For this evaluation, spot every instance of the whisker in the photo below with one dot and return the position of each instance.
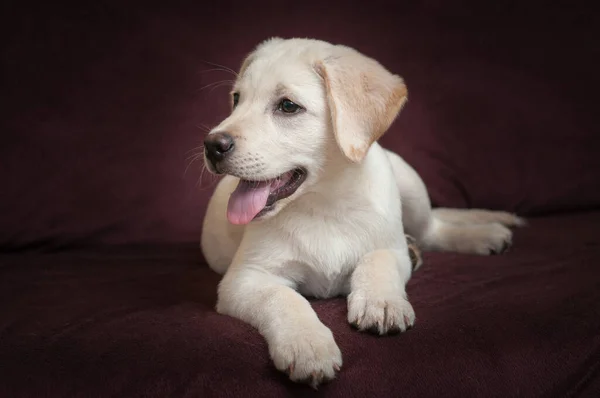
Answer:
(220, 85)
(216, 83)
(204, 127)
(202, 170)
(194, 155)
(224, 68)
(194, 158)
(214, 70)
(212, 178)
(198, 155)
(198, 148)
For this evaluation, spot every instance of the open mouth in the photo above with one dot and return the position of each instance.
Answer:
(252, 199)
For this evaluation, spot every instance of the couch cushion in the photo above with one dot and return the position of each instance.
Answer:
(139, 322)
(104, 107)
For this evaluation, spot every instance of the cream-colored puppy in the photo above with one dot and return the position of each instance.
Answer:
(312, 205)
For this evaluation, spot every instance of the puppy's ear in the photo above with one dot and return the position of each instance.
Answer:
(364, 99)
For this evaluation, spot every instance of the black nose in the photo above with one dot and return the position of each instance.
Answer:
(218, 146)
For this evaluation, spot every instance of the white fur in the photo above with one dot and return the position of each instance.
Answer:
(342, 232)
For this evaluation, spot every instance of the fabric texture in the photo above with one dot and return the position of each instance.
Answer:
(140, 322)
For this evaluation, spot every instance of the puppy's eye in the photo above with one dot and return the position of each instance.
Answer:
(288, 106)
(236, 99)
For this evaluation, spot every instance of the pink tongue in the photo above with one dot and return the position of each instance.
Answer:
(248, 199)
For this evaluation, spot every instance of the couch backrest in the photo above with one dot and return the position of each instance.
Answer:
(105, 103)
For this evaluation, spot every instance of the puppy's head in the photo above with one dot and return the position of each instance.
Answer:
(299, 106)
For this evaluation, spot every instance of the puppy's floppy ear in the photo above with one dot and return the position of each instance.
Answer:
(364, 99)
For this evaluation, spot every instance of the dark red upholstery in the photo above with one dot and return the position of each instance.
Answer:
(139, 322)
(103, 291)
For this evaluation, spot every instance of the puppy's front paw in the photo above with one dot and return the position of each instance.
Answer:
(307, 356)
(378, 315)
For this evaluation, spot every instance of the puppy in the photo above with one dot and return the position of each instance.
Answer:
(312, 205)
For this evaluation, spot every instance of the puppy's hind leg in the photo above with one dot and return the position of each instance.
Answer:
(475, 231)
(472, 231)
(483, 239)
(220, 239)
(478, 216)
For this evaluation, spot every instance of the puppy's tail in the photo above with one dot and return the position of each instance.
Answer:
(477, 216)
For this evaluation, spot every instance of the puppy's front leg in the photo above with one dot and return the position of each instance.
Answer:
(377, 301)
(299, 343)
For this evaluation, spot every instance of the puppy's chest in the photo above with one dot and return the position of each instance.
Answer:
(327, 253)
(327, 262)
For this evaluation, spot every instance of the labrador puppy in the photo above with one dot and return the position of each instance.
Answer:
(311, 205)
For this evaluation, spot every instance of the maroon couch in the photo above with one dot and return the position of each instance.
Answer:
(103, 289)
